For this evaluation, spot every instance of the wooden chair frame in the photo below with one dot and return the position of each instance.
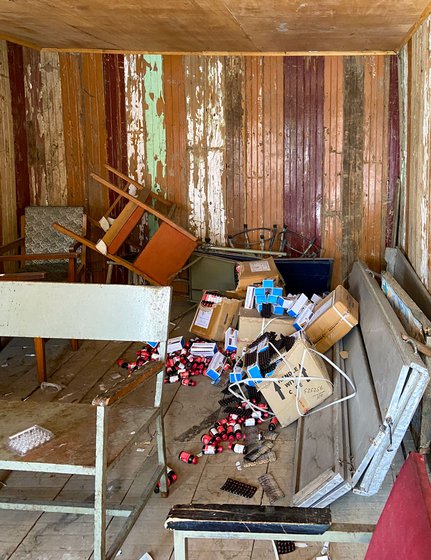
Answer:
(184, 243)
(85, 442)
(74, 273)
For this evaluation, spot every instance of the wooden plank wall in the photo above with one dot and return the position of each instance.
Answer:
(415, 91)
(232, 140)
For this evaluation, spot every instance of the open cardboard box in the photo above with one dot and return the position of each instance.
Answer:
(251, 324)
(281, 395)
(255, 272)
(211, 322)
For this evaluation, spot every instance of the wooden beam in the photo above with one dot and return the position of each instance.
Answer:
(227, 53)
(416, 26)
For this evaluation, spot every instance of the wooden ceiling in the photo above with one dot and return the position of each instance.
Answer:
(204, 26)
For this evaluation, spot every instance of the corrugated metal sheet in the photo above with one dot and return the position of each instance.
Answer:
(418, 195)
(304, 95)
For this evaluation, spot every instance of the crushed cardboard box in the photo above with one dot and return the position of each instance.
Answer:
(211, 321)
(281, 396)
(333, 318)
(251, 324)
(255, 272)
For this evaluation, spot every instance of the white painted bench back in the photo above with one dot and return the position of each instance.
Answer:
(84, 311)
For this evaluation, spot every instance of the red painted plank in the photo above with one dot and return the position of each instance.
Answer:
(115, 115)
(16, 78)
(304, 149)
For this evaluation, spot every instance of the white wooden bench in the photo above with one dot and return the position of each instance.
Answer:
(84, 441)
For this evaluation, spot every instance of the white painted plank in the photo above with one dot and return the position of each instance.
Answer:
(84, 311)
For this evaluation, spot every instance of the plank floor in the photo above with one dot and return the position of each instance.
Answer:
(189, 412)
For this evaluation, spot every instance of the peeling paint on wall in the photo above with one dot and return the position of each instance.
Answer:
(51, 127)
(216, 156)
(155, 141)
(403, 66)
(134, 88)
(204, 88)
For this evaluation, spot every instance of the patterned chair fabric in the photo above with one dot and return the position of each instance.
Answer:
(41, 237)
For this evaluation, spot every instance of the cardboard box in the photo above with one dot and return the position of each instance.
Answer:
(333, 318)
(250, 326)
(211, 322)
(281, 396)
(255, 272)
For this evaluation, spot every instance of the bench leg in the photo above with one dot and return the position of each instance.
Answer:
(100, 485)
(180, 546)
(39, 350)
(161, 452)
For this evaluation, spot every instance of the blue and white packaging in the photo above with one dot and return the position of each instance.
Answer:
(315, 298)
(268, 283)
(152, 344)
(278, 310)
(204, 349)
(236, 374)
(288, 302)
(254, 373)
(271, 298)
(175, 344)
(304, 317)
(215, 367)
(259, 291)
(296, 308)
(249, 298)
(231, 340)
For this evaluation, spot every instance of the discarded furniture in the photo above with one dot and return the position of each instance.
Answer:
(89, 439)
(412, 304)
(146, 195)
(403, 530)
(264, 239)
(357, 440)
(273, 523)
(42, 249)
(213, 268)
(164, 254)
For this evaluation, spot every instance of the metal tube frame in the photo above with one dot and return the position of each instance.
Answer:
(340, 533)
